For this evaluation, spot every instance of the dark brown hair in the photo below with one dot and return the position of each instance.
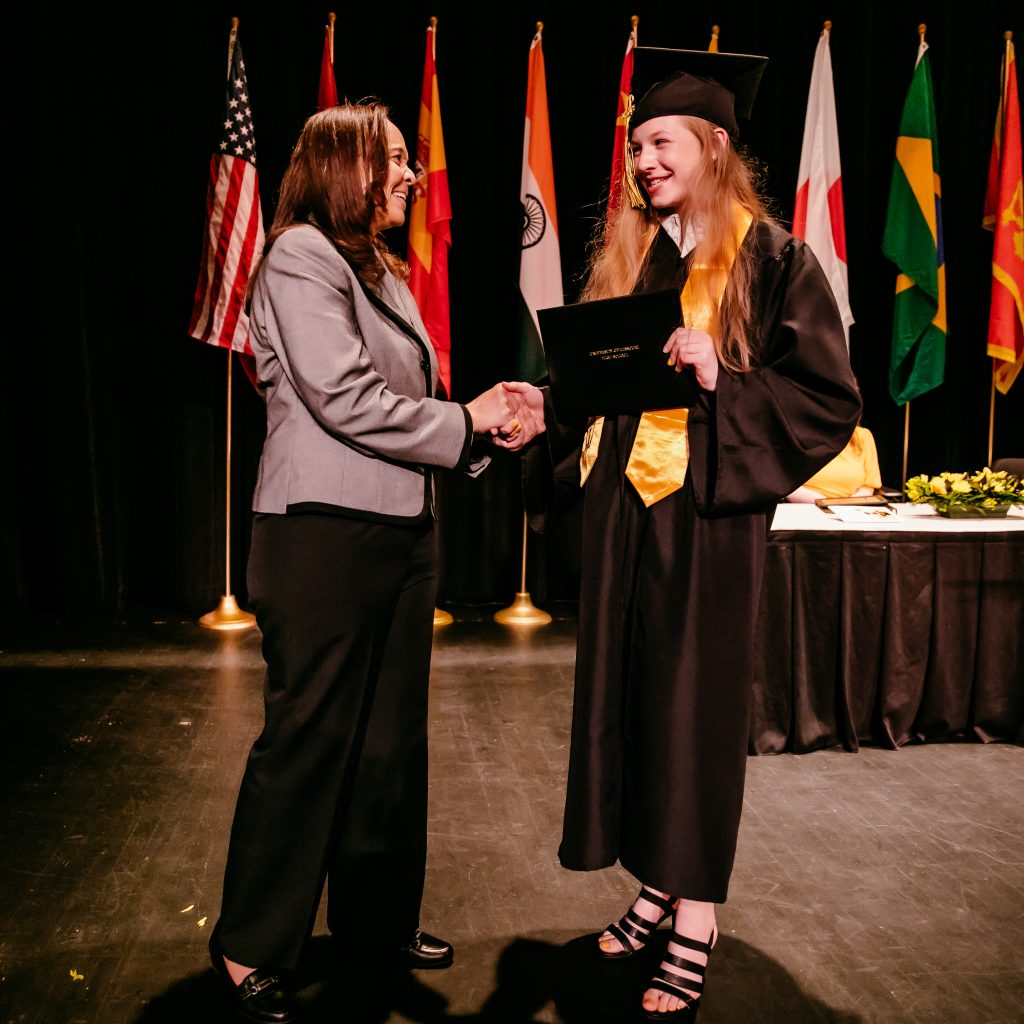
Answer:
(335, 181)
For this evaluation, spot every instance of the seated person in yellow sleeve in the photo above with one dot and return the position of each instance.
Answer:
(853, 473)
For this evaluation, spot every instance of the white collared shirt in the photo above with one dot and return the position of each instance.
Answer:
(673, 228)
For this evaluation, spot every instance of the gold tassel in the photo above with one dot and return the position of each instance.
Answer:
(629, 185)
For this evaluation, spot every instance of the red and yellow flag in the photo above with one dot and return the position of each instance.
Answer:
(430, 235)
(1004, 215)
(328, 94)
(619, 147)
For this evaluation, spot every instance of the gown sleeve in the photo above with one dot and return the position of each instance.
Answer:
(761, 434)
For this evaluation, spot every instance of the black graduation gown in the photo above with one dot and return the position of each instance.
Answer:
(669, 594)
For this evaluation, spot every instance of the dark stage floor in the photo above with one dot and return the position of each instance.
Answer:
(879, 886)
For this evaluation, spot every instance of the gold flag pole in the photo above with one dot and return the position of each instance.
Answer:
(991, 419)
(522, 611)
(331, 18)
(906, 437)
(233, 35)
(227, 615)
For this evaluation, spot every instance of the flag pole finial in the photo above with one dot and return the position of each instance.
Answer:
(433, 23)
(921, 29)
(828, 26)
(634, 21)
(1008, 36)
(715, 30)
(540, 26)
(331, 18)
(234, 24)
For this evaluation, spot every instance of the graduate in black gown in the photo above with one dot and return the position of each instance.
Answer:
(676, 510)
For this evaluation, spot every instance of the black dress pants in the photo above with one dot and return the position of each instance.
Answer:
(335, 786)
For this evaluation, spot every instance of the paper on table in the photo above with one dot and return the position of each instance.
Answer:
(861, 513)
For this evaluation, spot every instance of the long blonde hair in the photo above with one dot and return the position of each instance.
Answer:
(723, 180)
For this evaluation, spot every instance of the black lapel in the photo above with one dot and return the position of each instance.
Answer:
(399, 321)
(383, 308)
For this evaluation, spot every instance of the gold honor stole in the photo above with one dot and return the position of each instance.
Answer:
(661, 450)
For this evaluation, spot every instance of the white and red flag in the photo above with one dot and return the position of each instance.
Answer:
(818, 213)
(234, 223)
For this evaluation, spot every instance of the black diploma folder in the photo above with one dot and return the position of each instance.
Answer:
(605, 357)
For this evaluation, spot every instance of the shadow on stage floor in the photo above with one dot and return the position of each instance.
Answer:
(530, 975)
(869, 887)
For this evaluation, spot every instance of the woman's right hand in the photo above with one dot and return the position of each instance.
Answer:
(492, 410)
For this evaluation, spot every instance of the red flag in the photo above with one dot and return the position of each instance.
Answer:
(328, 95)
(625, 88)
(430, 235)
(1004, 214)
(234, 223)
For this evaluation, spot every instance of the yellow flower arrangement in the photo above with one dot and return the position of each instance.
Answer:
(981, 493)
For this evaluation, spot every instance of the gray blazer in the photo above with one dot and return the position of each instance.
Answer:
(348, 384)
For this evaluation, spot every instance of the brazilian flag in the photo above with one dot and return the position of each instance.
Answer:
(913, 241)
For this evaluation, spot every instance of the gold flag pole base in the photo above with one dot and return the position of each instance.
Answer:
(442, 618)
(522, 612)
(227, 615)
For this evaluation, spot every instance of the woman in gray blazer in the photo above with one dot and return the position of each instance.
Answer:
(342, 569)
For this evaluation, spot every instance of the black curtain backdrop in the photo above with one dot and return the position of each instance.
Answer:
(114, 419)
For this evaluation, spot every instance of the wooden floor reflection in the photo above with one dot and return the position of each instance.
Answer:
(879, 886)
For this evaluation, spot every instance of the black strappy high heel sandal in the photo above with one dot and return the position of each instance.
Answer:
(633, 932)
(678, 985)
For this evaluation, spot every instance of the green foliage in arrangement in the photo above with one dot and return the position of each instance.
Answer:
(981, 490)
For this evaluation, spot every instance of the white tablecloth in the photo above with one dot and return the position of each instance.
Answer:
(908, 518)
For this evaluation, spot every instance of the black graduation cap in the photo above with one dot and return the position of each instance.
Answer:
(718, 87)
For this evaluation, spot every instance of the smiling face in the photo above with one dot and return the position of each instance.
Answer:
(396, 187)
(667, 157)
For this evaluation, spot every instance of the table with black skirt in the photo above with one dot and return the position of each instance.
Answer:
(906, 630)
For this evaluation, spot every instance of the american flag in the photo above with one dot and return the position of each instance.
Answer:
(234, 223)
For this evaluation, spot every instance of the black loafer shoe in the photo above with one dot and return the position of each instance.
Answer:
(425, 952)
(262, 996)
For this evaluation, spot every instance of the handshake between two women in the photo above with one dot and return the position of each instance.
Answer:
(512, 413)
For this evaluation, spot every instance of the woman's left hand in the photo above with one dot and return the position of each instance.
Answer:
(689, 347)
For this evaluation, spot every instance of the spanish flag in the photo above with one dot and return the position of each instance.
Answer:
(540, 268)
(913, 241)
(430, 235)
(1004, 215)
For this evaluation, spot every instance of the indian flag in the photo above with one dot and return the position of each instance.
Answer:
(540, 270)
